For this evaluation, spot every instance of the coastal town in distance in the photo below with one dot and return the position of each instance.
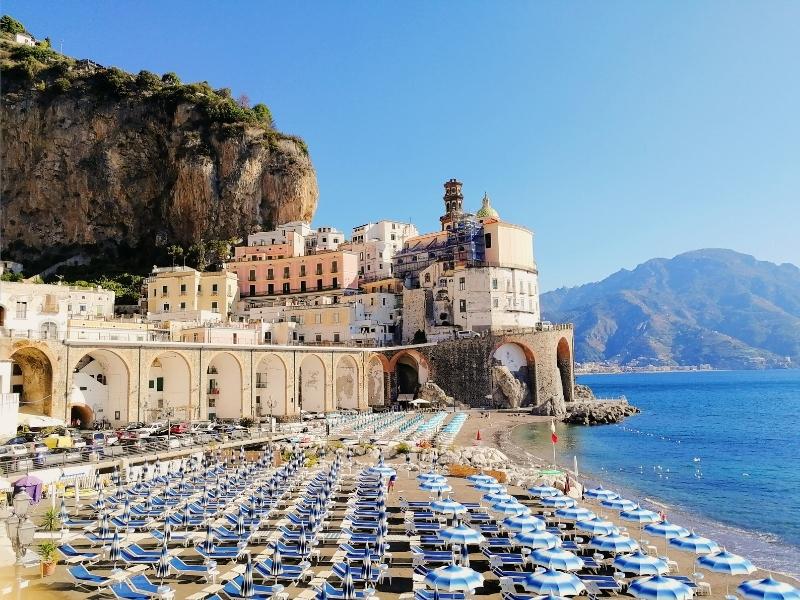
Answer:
(227, 372)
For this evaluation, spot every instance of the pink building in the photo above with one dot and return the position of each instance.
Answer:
(265, 271)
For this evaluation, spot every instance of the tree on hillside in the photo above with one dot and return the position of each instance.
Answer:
(263, 114)
(171, 78)
(199, 252)
(11, 25)
(175, 253)
(244, 101)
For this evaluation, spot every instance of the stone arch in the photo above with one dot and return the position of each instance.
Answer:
(411, 370)
(346, 383)
(223, 387)
(564, 364)
(32, 379)
(169, 387)
(377, 366)
(312, 384)
(515, 359)
(271, 386)
(100, 388)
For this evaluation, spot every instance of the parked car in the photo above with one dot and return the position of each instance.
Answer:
(97, 439)
(24, 438)
(467, 334)
(201, 427)
(178, 428)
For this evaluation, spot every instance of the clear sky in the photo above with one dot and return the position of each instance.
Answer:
(617, 131)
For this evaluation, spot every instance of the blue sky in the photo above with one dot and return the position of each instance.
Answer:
(616, 131)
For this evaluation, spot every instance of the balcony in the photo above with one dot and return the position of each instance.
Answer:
(213, 391)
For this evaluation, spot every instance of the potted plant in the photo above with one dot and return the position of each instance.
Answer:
(47, 552)
(50, 520)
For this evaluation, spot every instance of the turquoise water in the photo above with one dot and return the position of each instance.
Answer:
(719, 449)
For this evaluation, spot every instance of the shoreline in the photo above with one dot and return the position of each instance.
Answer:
(501, 436)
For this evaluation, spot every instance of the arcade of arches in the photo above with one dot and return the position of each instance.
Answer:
(32, 379)
(99, 392)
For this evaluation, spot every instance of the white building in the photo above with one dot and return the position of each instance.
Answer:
(26, 39)
(9, 266)
(324, 239)
(38, 310)
(376, 244)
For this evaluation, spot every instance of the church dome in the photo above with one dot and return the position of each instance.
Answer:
(486, 210)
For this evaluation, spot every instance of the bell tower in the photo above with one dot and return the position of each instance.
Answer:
(453, 203)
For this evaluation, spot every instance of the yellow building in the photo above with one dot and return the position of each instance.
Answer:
(185, 294)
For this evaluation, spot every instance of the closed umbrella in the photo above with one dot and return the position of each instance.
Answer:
(348, 589)
(553, 582)
(100, 503)
(536, 539)
(275, 567)
(240, 530)
(302, 542)
(454, 578)
(167, 531)
(115, 550)
(366, 568)
(557, 559)
(104, 528)
(186, 517)
(768, 589)
(247, 589)
(695, 543)
(659, 588)
(208, 543)
(63, 514)
(465, 555)
(641, 564)
(162, 566)
(523, 522)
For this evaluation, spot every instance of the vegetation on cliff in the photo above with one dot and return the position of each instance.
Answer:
(106, 167)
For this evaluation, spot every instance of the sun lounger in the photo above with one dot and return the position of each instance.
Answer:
(604, 583)
(334, 593)
(356, 573)
(419, 556)
(141, 584)
(184, 569)
(503, 559)
(118, 523)
(514, 576)
(287, 572)
(233, 589)
(96, 540)
(428, 595)
(70, 553)
(497, 542)
(219, 553)
(84, 579)
(125, 592)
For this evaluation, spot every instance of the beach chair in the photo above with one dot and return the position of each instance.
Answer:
(96, 540)
(334, 593)
(158, 535)
(79, 522)
(293, 573)
(233, 589)
(84, 579)
(504, 559)
(419, 556)
(125, 592)
(118, 523)
(71, 554)
(356, 573)
(497, 542)
(428, 595)
(218, 553)
(183, 569)
(141, 584)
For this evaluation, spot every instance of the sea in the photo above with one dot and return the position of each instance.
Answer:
(717, 451)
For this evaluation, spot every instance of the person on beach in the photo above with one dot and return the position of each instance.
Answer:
(391, 483)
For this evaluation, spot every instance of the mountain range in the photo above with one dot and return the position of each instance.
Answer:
(711, 307)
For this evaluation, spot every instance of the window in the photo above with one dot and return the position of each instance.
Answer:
(183, 289)
(336, 337)
(393, 237)
(270, 274)
(286, 288)
(22, 310)
(302, 270)
(166, 307)
(462, 306)
(252, 290)
(462, 284)
(335, 283)
(318, 318)
(360, 256)
(199, 288)
(494, 284)
(183, 305)
(270, 288)
(427, 277)
(235, 338)
(319, 284)
(252, 276)
(286, 272)
(319, 268)
(151, 384)
(318, 337)
(383, 301)
(215, 307)
(163, 290)
(159, 384)
(487, 239)
(302, 286)
(268, 336)
(214, 289)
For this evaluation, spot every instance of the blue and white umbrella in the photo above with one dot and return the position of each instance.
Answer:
(640, 515)
(481, 478)
(619, 504)
(115, 551)
(597, 526)
(557, 502)
(523, 522)
(366, 567)
(465, 555)
(454, 578)
(553, 582)
(302, 541)
(240, 529)
(383, 470)
(348, 589)
(695, 543)
(435, 485)
(104, 527)
(510, 508)
(167, 531)
(614, 543)
(659, 588)
(600, 493)
(666, 530)
(162, 566)
(557, 559)
(574, 513)
(768, 589)
(431, 476)
(100, 503)
(727, 563)
(461, 534)
(63, 514)
(275, 567)
(208, 543)
(544, 491)
(448, 507)
(495, 497)
(248, 589)
(641, 564)
(489, 487)
(536, 539)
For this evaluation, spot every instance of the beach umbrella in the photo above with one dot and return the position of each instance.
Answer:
(481, 478)
(115, 551)
(489, 487)
(461, 534)
(366, 568)
(465, 555)
(695, 543)
(495, 497)
(523, 522)
(544, 491)
(596, 526)
(240, 530)
(348, 589)
(247, 589)
(557, 559)
(727, 563)
(448, 507)
(536, 539)
(510, 508)
(162, 566)
(614, 543)
(208, 543)
(666, 530)
(104, 527)
(63, 514)
(380, 543)
(557, 502)
(167, 531)
(659, 588)
(600, 493)
(574, 513)
(619, 504)
(430, 476)
(302, 541)
(435, 486)
(186, 517)
(100, 503)
(641, 564)
(640, 515)
(275, 567)
(553, 582)
(453, 578)
(768, 589)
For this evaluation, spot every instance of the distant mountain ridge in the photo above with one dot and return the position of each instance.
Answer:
(712, 306)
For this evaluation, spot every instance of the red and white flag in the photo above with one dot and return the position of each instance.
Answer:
(553, 436)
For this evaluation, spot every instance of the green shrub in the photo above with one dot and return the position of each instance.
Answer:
(11, 25)
(171, 78)
(148, 80)
(42, 54)
(403, 448)
(61, 85)
(262, 114)
(246, 422)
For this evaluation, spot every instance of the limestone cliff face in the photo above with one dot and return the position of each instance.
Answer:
(88, 171)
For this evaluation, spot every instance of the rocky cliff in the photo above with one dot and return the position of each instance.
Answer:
(97, 160)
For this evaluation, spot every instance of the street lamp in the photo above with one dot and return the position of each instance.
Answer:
(20, 528)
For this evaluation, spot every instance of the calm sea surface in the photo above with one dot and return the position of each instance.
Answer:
(720, 450)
